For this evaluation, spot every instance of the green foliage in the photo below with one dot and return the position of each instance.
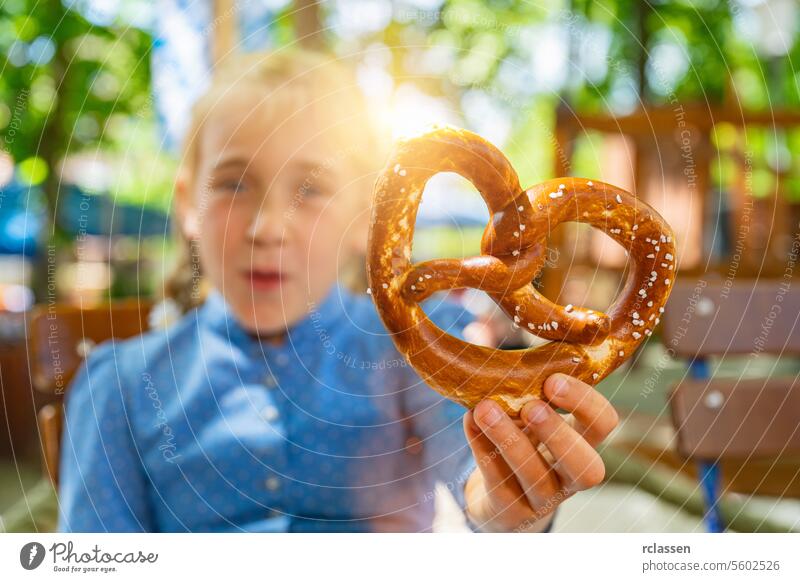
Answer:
(68, 86)
(63, 79)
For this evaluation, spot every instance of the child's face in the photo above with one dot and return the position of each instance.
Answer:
(277, 205)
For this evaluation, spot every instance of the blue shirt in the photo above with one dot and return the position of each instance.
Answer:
(201, 427)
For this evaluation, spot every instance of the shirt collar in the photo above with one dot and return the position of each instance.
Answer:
(216, 313)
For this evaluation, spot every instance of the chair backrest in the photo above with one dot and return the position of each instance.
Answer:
(738, 421)
(744, 419)
(710, 317)
(60, 337)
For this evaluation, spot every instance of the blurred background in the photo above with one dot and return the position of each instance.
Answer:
(692, 104)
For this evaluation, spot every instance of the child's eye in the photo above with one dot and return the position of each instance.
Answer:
(311, 191)
(232, 186)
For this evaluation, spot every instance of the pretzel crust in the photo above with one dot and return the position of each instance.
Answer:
(585, 344)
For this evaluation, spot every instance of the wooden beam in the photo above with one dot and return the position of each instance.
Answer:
(224, 29)
(308, 23)
(658, 120)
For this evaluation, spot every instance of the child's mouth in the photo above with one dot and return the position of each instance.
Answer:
(264, 280)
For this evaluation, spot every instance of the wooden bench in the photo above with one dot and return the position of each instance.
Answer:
(60, 337)
(747, 425)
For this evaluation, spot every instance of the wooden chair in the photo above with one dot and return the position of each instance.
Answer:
(743, 433)
(60, 337)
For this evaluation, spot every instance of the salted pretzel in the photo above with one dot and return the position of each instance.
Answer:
(586, 344)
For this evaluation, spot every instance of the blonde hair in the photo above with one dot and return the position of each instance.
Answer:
(287, 78)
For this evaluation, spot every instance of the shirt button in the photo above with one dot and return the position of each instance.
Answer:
(270, 413)
(272, 483)
(270, 381)
(282, 359)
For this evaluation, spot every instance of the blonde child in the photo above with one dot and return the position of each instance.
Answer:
(277, 402)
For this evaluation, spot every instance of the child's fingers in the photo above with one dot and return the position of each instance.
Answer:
(531, 471)
(575, 460)
(594, 415)
(490, 462)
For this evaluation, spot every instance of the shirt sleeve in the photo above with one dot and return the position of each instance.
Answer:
(102, 484)
(438, 422)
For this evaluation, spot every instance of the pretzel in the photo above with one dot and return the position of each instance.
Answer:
(585, 344)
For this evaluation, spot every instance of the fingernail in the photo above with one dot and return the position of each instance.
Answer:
(558, 385)
(537, 412)
(491, 413)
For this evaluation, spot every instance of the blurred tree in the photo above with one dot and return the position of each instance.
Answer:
(74, 80)
(63, 78)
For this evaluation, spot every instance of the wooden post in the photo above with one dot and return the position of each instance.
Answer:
(224, 30)
(308, 23)
(553, 279)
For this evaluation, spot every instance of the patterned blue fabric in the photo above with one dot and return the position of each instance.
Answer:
(201, 427)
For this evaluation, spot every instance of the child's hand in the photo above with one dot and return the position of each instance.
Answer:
(524, 473)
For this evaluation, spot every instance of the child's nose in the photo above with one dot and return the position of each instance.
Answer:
(268, 225)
